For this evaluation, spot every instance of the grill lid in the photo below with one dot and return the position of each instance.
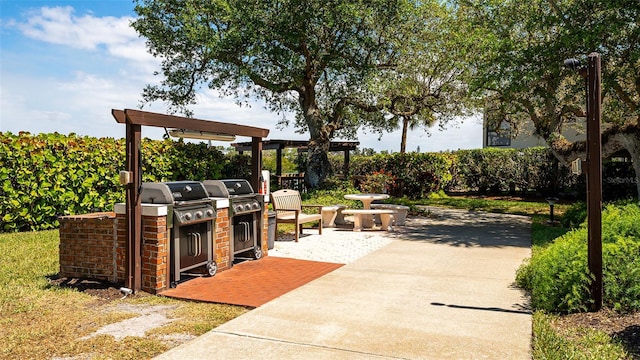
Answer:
(172, 191)
(228, 188)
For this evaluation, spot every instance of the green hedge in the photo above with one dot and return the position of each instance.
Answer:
(47, 175)
(415, 174)
(558, 275)
(529, 170)
(482, 171)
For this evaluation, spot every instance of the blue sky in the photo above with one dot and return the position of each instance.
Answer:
(65, 64)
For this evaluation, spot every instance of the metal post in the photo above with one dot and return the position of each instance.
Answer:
(594, 178)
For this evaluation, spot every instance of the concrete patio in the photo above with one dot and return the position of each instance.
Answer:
(438, 288)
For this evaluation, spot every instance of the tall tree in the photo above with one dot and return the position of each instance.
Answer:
(429, 83)
(522, 46)
(331, 62)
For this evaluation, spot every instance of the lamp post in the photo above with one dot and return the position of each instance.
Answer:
(551, 201)
(593, 166)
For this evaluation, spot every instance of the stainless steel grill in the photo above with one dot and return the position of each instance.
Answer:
(245, 212)
(191, 221)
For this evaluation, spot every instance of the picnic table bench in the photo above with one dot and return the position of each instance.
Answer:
(401, 212)
(386, 217)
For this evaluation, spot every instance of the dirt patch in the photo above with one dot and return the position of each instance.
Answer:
(623, 327)
(103, 291)
(146, 317)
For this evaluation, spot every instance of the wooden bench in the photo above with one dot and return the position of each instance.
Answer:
(386, 217)
(289, 210)
(401, 212)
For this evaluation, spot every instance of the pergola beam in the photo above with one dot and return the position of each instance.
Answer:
(301, 145)
(145, 118)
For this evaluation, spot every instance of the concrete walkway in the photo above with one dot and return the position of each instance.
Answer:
(442, 288)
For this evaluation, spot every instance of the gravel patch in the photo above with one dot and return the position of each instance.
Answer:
(335, 245)
(150, 317)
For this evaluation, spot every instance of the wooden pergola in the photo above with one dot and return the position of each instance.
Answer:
(301, 145)
(134, 120)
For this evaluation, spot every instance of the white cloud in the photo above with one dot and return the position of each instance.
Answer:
(59, 25)
(81, 100)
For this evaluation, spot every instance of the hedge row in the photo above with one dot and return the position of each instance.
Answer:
(48, 175)
(479, 171)
(491, 171)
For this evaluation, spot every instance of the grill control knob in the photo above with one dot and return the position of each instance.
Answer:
(199, 214)
(209, 212)
(187, 216)
(247, 207)
(256, 206)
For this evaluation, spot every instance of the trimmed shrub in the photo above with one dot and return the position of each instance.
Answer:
(558, 276)
(47, 175)
(493, 171)
(575, 215)
(415, 174)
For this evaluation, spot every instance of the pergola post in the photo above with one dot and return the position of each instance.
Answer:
(133, 208)
(256, 162)
(345, 166)
(279, 161)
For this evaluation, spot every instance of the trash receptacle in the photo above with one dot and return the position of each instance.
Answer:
(271, 232)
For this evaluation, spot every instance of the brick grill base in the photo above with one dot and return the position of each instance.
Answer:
(94, 246)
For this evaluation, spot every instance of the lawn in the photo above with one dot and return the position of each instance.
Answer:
(41, 320)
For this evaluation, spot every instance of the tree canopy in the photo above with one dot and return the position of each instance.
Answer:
(522, 46)
(337, 65)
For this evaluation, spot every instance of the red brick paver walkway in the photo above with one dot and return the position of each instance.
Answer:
(252, 283)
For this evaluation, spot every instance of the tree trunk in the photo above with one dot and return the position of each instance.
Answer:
(318, 166)
(405, 126)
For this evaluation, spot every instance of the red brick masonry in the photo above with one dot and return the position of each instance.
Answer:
(88, 247)
(94, 246)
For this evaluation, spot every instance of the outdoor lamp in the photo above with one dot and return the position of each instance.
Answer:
(551, 201)
(202, 135)
(573, 64)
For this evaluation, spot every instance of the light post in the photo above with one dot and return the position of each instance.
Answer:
(551, 201)
(593, 167)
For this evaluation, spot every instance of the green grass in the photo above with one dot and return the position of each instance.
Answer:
(576, 343)
(41, 321)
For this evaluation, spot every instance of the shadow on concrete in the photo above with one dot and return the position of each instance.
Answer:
(462, 228)
(524, 310)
